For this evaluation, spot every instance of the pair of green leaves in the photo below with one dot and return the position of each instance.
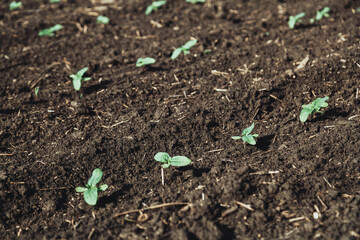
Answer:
(102, 19)
(185, 49)
(195, 1)
(14, 5)
(313, 107)
(246, 136)
(50, 31)
(294, 19)
(144, 61)
(91, 191)
(177, 161)
(36, 91)
(78, 78)
(321, 14)
(154, 6)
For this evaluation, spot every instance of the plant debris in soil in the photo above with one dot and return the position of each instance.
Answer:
(300, 180)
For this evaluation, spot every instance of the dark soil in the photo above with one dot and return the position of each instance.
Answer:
(300, 181)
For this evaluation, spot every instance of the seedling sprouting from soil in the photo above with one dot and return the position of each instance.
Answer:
(154, 6)
(246, 136)
(36, 91)
(195, 1)
(144, 61)
(177, 161)
(78, 78)
(184, 48)
(321, 14)
(55, 1)
(91, 190)
(314, 106)
(294, 19)
(50, 31)
(102, 19)
(14, 5)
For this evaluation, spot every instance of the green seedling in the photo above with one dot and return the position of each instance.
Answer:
(144, 61)
(91, 190)
(78, 78)
(154, 6)
(50, 31)
(102, 19)
(246, 136)
(195, 1)
(313, 107)
(36, 91)
(185, 49)
(55, 1)
(207, 51)
(177, 161)
(321, 14)
(294, 19)
(14, 5)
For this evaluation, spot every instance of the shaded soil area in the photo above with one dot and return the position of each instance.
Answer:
(300, 181)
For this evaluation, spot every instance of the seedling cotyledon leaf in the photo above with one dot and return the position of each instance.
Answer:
(102, 19)
(314, 106)
(91, 191)
(154, 6)
(195, 1)
(14, 5)
(50, 31)
(144, 61)
(321, 14)
(177, 161)
(78, 78)
(185, 49)
(246, 136)
(36, 91)
(294, 19)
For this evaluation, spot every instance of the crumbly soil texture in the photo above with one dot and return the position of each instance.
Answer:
(300, 180)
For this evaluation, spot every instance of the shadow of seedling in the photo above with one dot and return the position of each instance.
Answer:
(34, 100)
(305, 26)
(96, 87)
(154, 68)
(198, 172)
(86, 111)
(9, 111)
(264, 142)
(333, 112)
(114, 197)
